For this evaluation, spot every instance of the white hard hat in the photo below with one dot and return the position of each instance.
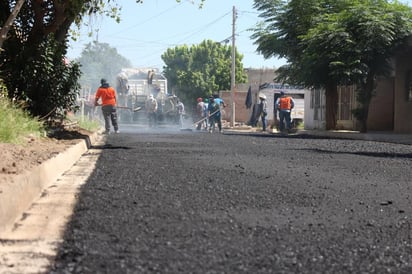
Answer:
(263, 96)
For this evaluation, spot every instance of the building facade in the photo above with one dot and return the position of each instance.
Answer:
(390, 109)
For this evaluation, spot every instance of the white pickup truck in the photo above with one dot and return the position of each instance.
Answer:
(272, 93)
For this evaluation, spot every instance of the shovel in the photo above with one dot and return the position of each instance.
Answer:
(132, 109)
(122, 107)
(207, 117)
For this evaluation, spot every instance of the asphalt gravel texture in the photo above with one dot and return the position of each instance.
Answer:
(194, 202)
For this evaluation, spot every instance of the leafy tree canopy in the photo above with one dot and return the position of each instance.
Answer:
(201, 70)
(33, 40)
(333, 42)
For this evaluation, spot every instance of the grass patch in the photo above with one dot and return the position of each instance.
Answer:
(16, 124)
(86, 123)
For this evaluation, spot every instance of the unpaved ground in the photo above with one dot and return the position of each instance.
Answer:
(209, 203)
(31, 244)
(18, 158)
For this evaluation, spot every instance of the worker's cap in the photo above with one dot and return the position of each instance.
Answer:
(103, 81)
(262, 96)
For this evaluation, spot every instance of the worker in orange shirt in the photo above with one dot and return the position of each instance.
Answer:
(284, 104)
(107, 94)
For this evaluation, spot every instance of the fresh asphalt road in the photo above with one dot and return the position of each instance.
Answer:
(172, 201)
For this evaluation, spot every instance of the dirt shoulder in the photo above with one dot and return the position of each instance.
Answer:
(18, 158)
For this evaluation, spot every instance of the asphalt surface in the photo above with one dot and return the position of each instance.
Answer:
(191, 202)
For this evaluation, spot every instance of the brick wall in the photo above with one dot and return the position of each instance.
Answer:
(256, 77)
(242, 114)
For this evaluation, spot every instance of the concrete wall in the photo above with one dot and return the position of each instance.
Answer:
(256, 77)
(390, 109)
(315, 109)
(242, 114)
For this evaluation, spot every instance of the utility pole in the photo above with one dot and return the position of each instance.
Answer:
(233, 72)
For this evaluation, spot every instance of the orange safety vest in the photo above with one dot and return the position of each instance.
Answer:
(108, 95)
(285, 103)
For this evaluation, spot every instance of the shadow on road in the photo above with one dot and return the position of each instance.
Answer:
(364, 153)
(109, 146)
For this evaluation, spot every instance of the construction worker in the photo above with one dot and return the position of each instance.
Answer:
(284, 104)
(263, 107)
(214, 115)
(151, 110)
(150, 75)
(206, 103)
(107, 94)
(181, 111)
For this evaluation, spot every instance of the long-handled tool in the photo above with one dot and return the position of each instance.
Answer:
(207, 117)
(123, 107)
(132, 109)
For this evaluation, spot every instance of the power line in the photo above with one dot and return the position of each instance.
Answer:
(204, 27)
(160, 45)
(149, 19)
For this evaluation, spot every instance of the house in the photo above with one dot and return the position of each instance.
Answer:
(390, 109)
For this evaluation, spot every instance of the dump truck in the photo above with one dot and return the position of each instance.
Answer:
(134, 85)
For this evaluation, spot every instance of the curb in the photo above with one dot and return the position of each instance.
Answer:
(17, 195)
(377, 136)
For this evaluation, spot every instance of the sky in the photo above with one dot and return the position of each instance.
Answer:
(147, 30)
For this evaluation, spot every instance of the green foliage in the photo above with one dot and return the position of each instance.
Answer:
(86, 123)
(328, 42)
(99, 60)
(15, 124)
(201, 70)
(44, 80)
(31, 58)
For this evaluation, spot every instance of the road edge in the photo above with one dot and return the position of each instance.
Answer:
(17, 195)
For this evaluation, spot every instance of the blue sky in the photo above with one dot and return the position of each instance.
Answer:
(148, 29)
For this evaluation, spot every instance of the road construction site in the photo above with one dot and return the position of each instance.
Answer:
(180, 201)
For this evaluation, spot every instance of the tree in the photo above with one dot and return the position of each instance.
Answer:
(335, 43)
(36, 45)
(201, 70)
(99, 60)
(366, 36)
(280, 34)
(32, 59)
(9, 22)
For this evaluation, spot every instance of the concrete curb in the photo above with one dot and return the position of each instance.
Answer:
(17, 196)
(387, 137)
